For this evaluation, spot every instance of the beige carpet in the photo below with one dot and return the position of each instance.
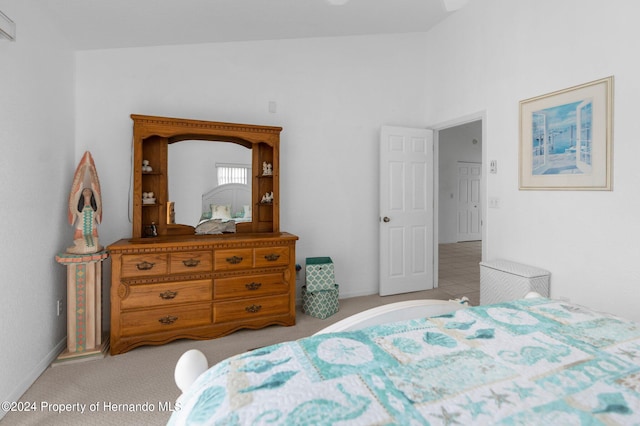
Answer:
(145, 375)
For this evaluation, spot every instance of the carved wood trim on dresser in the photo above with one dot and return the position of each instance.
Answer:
(169, 288)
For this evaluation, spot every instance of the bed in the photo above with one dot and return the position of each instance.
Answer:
(529, 361)
(223, 207)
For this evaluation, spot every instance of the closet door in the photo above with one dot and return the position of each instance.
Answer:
(469, 207)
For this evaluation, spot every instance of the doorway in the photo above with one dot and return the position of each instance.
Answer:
(459, 143)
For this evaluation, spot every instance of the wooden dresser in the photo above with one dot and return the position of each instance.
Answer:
(174, 284)
(203, 287)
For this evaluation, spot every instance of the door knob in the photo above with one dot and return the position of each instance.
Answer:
(386, 219)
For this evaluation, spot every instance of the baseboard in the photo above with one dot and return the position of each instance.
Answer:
(34, 374)
(349, 294)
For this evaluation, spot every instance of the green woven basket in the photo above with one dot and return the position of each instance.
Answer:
(320, 304)
(319, 274)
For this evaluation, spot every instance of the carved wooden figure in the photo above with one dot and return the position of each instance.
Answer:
(85, 207)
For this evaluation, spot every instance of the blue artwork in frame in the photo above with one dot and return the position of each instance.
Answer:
(566, 138)
(561, 139)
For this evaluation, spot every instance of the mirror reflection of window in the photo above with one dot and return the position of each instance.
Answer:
(192, 172)
(233, 173)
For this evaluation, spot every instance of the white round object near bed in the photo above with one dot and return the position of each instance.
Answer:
(191, 364)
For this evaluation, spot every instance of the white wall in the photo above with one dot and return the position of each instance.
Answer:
(332, 97)
(498, 52)
(454, 144)
(36, 167)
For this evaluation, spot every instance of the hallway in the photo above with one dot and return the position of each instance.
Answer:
(459, 270)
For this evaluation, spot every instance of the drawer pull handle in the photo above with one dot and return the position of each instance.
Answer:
(167, 295)
(234, 260)
(190, 263)
(253, 286)
(253, 308)
(145, 266)
(272, 257)
(168, 320)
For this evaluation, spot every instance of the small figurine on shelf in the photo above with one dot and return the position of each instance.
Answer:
(267, 198)
(146, 168)
(267, 169)
(148, 198)
(151, 230)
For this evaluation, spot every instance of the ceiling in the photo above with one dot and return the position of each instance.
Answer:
(102, 24)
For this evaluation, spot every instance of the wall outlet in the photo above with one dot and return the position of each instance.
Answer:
(59, 307)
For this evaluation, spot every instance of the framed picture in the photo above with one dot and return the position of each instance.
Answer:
(566, 138)
(171, 213)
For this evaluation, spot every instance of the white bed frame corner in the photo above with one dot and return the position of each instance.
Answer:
(399, 311)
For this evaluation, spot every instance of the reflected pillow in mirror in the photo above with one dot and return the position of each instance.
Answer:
(247, 212)
(220, 211)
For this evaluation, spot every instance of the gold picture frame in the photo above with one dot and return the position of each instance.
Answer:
(566, 139)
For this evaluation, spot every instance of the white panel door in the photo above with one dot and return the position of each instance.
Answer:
(469, 211)
(406, 210)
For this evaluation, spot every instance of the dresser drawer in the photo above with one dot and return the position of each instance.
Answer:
(247, 309)
(195, 261)
(249, 286)
(136, 265)
(225, 260)
(271, 256)
(149, 295)
(164, 319)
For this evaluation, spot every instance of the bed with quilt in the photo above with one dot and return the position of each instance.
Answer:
(529, 361)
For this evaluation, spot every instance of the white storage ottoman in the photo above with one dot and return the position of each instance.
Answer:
(503, 280)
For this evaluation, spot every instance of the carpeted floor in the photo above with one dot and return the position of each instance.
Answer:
(144, 376)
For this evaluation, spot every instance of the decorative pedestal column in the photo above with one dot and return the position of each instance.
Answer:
(84, 305)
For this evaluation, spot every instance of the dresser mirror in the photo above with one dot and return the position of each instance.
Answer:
(193, 173)
(175, 161)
